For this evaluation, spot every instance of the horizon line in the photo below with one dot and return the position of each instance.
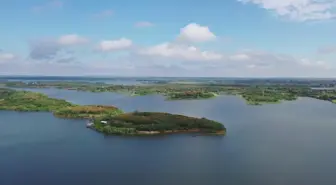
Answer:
(112, 76)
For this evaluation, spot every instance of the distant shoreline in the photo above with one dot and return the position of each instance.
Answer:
(251, 91)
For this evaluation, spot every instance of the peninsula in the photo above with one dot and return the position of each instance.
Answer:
(109, 119)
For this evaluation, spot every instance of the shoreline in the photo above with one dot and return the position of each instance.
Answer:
(165, 133)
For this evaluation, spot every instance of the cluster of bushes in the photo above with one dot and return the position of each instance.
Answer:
(190, 95)
(260, 98)
(264, 95)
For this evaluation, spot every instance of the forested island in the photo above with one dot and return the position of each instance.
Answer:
(255, 92)
(154, 123)
(109, 119)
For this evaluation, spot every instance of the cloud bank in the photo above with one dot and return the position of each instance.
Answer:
(184, 55)
(298, 10)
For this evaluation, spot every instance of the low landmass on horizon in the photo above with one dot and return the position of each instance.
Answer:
(254, 91)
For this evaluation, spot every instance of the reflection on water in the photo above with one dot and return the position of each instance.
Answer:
(290, 143)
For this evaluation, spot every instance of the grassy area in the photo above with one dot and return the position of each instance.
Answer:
(152, 123)
(87, 111)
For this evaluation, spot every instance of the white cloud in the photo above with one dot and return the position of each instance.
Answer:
(173, 62)
(239, 57)
(104, 13)
(48, 6)
(299, 10)
(71, 39)
(113, 45)
(281, 65)
(327, 50)
(56, 49)
(315, 64)
(192, 33)
(147, 66)
(196, 33)
(143, 24)
(53, 56)
(183, 52)
(6, 56)
(251, 66)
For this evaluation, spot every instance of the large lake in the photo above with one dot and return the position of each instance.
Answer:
(293, 143)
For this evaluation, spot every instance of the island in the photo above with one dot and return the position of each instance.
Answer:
(154, 123)
(109, 120)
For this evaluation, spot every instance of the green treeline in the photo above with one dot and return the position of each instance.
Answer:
(191, 95)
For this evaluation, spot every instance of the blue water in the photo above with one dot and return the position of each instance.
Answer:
(292, 143)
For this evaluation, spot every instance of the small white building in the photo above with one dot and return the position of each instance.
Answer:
(103, 122)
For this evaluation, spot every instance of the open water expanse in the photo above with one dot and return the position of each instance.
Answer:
(293, 143)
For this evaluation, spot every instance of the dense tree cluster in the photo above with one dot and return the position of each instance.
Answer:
(191, 95)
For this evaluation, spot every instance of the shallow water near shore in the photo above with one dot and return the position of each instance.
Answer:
(291, 143)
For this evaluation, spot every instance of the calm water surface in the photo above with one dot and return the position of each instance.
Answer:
(292, 143)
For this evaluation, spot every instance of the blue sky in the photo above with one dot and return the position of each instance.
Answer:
(235, 38)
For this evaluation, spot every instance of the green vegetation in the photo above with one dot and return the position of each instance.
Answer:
(31, 101)
(87, 111)
(255, 92)
(171, 91)
(191, 95)
(258, 96)
(119, 123)
(141, 92)
(151, 123)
